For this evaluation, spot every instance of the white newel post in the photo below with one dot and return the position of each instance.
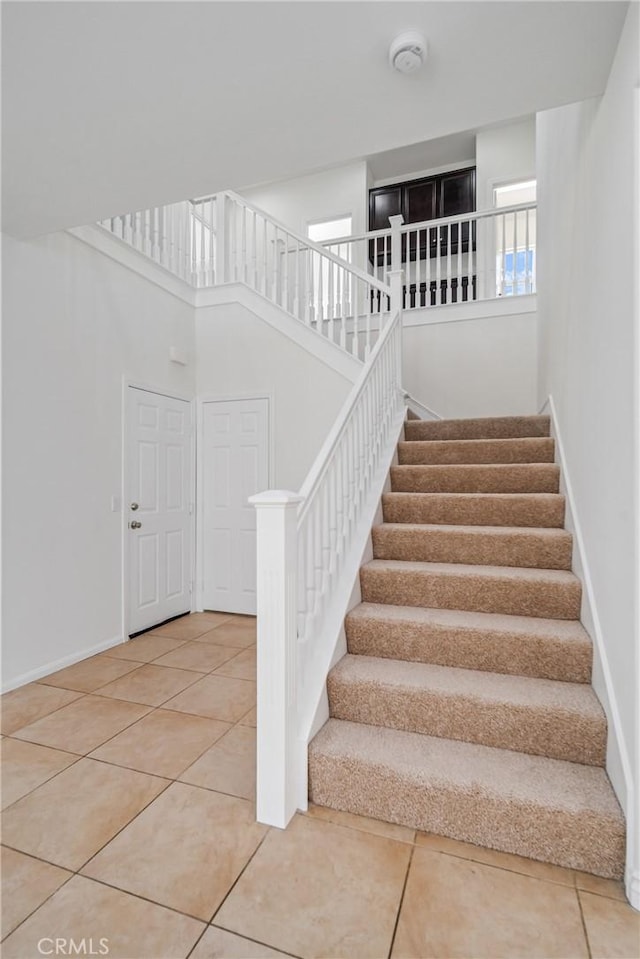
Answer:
(276, 523)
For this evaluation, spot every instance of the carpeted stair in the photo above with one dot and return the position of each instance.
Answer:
(463, 706)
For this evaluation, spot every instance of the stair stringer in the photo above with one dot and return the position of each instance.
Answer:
(306, 337)
(618, 765)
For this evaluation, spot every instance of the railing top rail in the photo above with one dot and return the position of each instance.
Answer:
(442, 221)
(305, 241)
(315, 474)
(354, 238)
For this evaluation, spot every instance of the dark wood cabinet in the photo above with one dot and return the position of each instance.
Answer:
(429, 198)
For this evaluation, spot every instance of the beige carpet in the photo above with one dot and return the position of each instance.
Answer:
(464, 705)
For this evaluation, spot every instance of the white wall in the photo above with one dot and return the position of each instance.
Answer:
(473, 367)
(74, 322)
(334, 193)
(504, 153)
(587, 269)
(240, 355)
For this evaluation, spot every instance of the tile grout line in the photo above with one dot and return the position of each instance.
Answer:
(515, 872)
(122, 828)
(401, 902)
(238, 877)
(198, 941)
(77, 759)
(258, 942)
(584, 924)
(137, 895)
(80, 696)
(150, 710)
(41, 904)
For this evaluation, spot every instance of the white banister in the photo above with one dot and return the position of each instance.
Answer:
(339, 288)
(330, 292)
(307, 564)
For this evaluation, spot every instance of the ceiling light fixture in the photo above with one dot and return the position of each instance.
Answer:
(408, 52)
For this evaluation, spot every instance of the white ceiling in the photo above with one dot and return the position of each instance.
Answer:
(109, 107)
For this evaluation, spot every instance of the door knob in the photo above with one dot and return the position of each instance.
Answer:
(135, 524)
(134, 506)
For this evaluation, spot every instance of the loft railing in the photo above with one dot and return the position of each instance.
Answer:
(472, 256)
(224, 239)
(339, 287)
(310, 546)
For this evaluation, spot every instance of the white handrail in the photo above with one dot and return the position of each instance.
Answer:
(441, 221)
(425, 412)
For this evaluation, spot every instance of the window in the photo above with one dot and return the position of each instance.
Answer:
(515, 239)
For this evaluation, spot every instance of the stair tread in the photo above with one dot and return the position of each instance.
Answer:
(535, 425)
(500, 467)
(480, 495)
(514, 573)
(447, 529)
(575, 698)
(476, 477)
(520, 546)
(483, 771)
(527, 449)
(569, 630)
(534, 510)
(504, 442)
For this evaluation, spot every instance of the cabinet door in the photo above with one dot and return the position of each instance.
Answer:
(419, 204)
(457, 195)
(383, 203)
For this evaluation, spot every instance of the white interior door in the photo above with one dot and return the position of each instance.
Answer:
(158, 507)
(235, 465)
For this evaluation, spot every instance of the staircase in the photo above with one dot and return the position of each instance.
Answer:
(463, 706)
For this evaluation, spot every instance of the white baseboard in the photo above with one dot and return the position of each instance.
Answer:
(633, 887)
(618, 763)
(54, 665)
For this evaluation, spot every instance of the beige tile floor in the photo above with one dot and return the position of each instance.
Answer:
(128, 785)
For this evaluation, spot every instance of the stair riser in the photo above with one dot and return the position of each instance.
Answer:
(532, 656)
(484, 594)
(547, 512)
(476, 451)
(498, 428)
(539, 731)
(536, 478)
(448, 546)
(555, 836)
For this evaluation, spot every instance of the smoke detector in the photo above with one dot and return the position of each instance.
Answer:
(408, 52)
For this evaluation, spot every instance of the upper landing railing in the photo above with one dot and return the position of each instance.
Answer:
(339, 288)
(223, 239)
(471, 256)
